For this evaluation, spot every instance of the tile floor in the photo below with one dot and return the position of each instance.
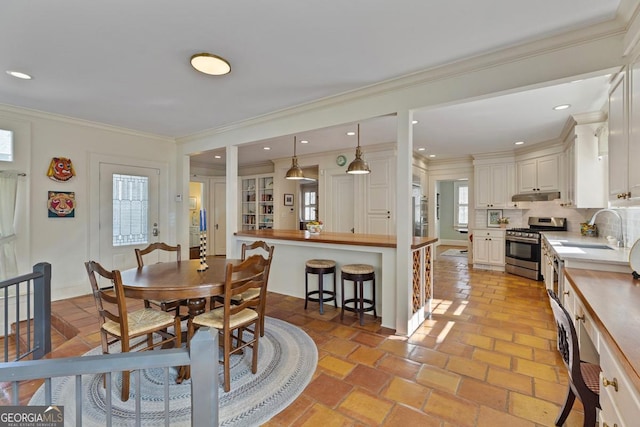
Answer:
(486, 358)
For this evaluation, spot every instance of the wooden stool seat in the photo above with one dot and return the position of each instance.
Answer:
(321, 295)
(358, 274)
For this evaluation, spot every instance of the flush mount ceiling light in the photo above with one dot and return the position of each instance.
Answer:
(562, 107)
(421, 149)
(19, 75)
(519, 143)
(210, 64)
(358, 166)
(294, 172)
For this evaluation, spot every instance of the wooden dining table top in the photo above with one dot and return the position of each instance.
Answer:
(177, 280)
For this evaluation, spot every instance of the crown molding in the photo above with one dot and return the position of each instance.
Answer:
(37, 114)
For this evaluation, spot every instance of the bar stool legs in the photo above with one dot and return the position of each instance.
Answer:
(320, 267)
(358, 274)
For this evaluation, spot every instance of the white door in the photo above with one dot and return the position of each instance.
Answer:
(130, 195)
(343, 215)
(219, 220)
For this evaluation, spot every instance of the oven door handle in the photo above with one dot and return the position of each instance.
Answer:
(521, 239)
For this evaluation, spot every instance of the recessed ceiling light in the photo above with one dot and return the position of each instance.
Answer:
(351, 133)
(562, 107)
(266, 148)
(576, 81)
(304, 141)
(432, 155)
(415, 122)
(421, 149)
(217, 157)
(19, 75)
(210, 64)
(519, 143)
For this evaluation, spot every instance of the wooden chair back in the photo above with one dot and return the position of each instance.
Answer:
(249, 274)
(110, 300)
(157, 246)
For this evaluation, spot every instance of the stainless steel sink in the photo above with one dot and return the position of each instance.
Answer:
(585, 246)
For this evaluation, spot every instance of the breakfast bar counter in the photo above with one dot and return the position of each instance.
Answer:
(294, 247)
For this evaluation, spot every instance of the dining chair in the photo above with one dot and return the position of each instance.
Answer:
(584, 377)
(171, 305)
(256, 248)
(119, 325)
(236, 317)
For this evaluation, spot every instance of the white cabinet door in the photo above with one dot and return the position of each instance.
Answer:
(634, 140)
(493, 186)
(541, 174)
(527, 180)
(380, 197)
(548, 173)
(496, 251)
(618, 146)
(481, 250)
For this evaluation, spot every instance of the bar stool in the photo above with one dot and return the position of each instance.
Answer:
(358, 274)
(320, 267)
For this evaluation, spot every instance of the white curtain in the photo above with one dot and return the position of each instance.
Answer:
(8, 193)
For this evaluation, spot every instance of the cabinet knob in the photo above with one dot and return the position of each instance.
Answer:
(613, 383)
(580, 317)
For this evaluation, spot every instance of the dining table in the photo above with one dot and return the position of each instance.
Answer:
(179, 280)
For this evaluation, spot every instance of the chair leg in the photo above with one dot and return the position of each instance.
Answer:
(589, 416)
(342, 297)
(226, 362)
(566, 408)
(361, 310)
(306, 289)
(254, 350)
(321, 293)
(335, 295)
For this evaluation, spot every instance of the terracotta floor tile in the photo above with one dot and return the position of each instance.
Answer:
(429, 357)
(449, 407)
(338, 366)
(533, 409)
(368, 378)
(535, 369)
(438, 378)
(366, 338)
(327, 390)
(483, 393)
(512, 349)
(532, 341)
(321, 416)
(400, 367)
(339, 347)
(366, 355)
(470, 368)
(366, 407)
(489, 417)
(291, 413)
(510, 380)
(407, 392)
(401, 416)
(548, 390)
(492, 358)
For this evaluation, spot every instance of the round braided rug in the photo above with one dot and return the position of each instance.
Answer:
(286, 363)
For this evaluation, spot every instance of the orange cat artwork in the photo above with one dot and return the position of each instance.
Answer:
(61, 169)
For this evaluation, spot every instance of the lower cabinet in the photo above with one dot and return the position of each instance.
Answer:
(488, 249)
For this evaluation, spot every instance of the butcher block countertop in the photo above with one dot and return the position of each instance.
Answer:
(613, 302)
(379, 240)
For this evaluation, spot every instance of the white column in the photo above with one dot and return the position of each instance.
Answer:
(232, 199)
(404, 233)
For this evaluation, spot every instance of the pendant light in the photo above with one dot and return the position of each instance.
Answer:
(358, 166)
(294, 172)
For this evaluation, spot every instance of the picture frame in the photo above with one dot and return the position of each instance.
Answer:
(493, 215)
(193, 203)
(288, 199)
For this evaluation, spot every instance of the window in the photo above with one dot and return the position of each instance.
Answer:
(130, 210)
(461, 201)
(309, 202)
(6, 145)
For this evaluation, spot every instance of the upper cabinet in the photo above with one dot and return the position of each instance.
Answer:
(585, 168)
(538, 174)
(494, 185)
(624, 138)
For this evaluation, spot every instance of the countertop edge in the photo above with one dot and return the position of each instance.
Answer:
(351, 239)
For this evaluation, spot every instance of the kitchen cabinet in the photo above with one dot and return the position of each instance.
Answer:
(585, 169)
(488, 249)
(494, 185)
(538, 174)
(256, 205)
(546, 267)
(624, 142)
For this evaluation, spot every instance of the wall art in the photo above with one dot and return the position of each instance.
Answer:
(61, 204)
(61, 169)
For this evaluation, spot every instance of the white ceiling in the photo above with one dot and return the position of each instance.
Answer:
(126, 64)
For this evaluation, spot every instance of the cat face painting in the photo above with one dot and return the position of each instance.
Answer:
(61, 204)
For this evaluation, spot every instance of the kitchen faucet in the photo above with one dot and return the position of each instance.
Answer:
(593, 220)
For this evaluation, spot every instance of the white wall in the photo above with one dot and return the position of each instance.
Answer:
(66, 242)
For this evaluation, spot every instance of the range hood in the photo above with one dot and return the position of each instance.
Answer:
(536, 197)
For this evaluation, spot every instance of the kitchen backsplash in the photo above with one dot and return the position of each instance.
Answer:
(607, 223)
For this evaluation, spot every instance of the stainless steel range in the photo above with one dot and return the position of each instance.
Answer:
(522, 253)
